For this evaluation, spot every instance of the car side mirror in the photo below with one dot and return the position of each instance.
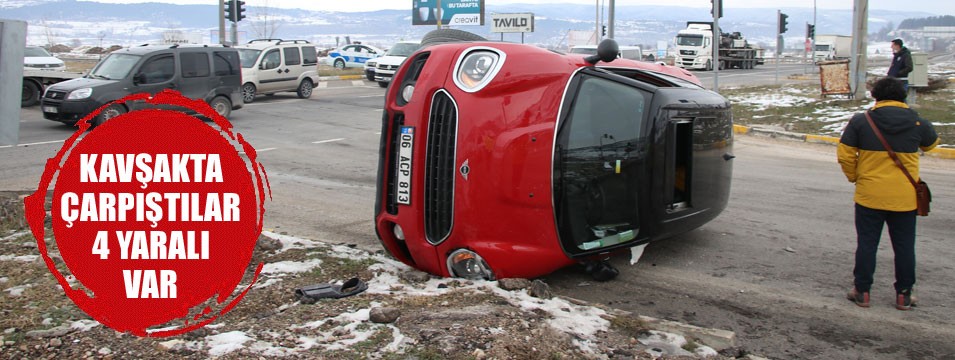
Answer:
(262, 66)
(139, 78)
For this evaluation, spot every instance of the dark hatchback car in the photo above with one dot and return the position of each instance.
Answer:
(210, 73)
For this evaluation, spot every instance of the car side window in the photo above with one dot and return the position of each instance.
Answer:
(292, 57)
(271, 60)
(158, 69)
(226, 63)
(194, 64)
(309, 55)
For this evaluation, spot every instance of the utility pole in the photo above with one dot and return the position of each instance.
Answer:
(813, 48)
(717, 40)
(438, 14)
(610, 21)
(222, 21)
(596, 22)
(857, 64)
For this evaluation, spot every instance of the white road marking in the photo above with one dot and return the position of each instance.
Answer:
(259, 151)
(327, 141)
(369, 96)
(358, 82)
(31, 144)
(322, 85)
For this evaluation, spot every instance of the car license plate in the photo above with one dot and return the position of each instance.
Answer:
(49, 109)
(405, 146)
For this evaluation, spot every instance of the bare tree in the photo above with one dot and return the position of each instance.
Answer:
(48, 31)
(264, 23)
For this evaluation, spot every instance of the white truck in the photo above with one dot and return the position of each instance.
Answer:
(694, 47)
(36, 81)
(832, 47)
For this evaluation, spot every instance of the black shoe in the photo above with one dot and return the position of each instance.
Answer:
(858, 297)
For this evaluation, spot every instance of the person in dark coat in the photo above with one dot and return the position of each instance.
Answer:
(883, 194)
(901, 62)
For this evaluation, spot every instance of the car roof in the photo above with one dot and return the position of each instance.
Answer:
(266, 43)
(148, 49)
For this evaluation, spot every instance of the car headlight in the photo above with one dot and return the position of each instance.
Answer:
(80, 94)
(469, 265)
(370, 63)
(477, 67)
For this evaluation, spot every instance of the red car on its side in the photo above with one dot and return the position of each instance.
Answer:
(503, 160)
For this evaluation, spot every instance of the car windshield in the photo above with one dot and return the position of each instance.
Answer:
(403, 49)
(115, 66)
(248, 57)
(35, 52)
(598, 155)
(821, 47)
(689, 40)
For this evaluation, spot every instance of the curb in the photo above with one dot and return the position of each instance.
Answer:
(943, 153)
(341, 77)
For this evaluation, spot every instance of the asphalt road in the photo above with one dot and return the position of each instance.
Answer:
(774, 267)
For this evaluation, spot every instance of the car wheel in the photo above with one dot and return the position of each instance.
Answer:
(108, 113)
(222, 106)
(304, 89)
(709, 65)
(31, 94)
(248, 93)
(339, 64)
(370, 76)
(383, 84)
(441, 36)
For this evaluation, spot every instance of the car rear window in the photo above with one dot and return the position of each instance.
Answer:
(226, 63)
(292, 56)
(309, 56)
(194, 64)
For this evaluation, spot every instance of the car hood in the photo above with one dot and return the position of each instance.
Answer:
(80, 83)
(42, 61)
(391, 60)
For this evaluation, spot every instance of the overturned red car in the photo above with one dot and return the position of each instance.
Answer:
(503, 160)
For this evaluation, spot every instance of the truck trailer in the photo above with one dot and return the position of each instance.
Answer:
(695, 49)
(832, 47)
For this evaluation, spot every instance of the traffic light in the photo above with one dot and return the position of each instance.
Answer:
(810, 31)
(240, 10)
(719, 9)
(604, 31)
(229, 10)
(783, 22)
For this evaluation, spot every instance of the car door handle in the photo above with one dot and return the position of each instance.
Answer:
(286, 71)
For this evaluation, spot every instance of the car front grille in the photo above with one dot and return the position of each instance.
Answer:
(687, 52)
(387, 67)
(55, 95)
(439, 170)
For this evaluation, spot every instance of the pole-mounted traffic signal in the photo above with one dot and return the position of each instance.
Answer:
(240, 10)
(229, 10)
(783, 23)
(604, 31)
(810, 31)
(716, 10)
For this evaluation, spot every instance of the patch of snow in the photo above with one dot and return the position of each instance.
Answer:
(667, 343)
(23, 258)
(84, 325)
(267, 282)
(351, 321)
(18, 290)
(763, 102)
(14, 235)
(291, 266)
(636, 252)
(4, 279)
(291, 242)
(221, 344)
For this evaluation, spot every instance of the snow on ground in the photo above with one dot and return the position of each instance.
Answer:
(765, 101)
(18, 290)
(23, 258)
(584, 322)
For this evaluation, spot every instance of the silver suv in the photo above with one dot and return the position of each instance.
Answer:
(275, 65)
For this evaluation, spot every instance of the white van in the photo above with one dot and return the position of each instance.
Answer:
(275, 65)
(626, 52)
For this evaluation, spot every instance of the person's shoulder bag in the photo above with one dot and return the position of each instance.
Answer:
(923, 195)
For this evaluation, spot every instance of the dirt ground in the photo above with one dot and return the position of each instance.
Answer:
(437, 318)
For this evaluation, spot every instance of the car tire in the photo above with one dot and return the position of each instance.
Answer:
(31, 94)
(108, 113)
(709, 65)
(370, 77)
(248, 93)
(340, 64)
(441, 36)
(222, 106)
(304, 89)
(383, 84)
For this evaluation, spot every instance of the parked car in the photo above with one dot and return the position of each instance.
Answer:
(37, 58)
(353, 55)
(275, 65)
(387, 65)
(502, 160)
(210, 73)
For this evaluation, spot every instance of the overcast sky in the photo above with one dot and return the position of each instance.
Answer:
(930, 6)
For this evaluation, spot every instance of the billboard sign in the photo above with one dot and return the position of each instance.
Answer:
(450, 12)
(512, 23)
